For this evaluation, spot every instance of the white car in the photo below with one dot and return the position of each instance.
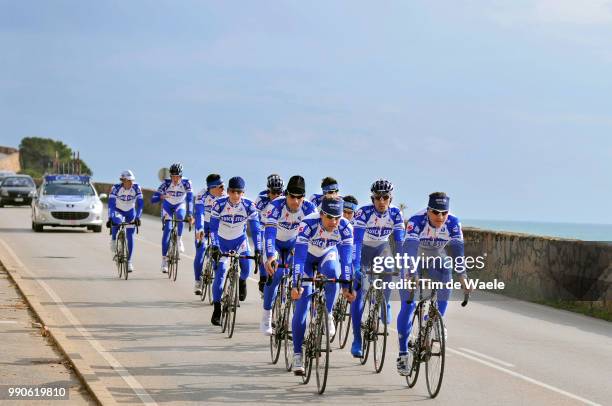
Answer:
(67, 201)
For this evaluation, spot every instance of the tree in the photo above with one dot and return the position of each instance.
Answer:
(37, 156)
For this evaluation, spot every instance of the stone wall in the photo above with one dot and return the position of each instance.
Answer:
(9, 159)
(544, 269)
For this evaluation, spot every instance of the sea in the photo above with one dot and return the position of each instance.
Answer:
(576, 231)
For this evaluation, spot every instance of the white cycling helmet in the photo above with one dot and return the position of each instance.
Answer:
(127, 175)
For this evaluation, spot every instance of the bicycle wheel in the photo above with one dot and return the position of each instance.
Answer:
(225, 299)
(380, 333)
(170, 256)
(414, 345)
(321, 349)
(309, 345)
(366, 327)
(124, 257)
(176, 257)
(117, 257)
(277, 331)
(344, 327)
(205, 279)
(436, 348)
(288, 338)
(338, 313)
(233, 307)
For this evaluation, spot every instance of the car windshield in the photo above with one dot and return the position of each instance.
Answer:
(68, 189)
(19, 182)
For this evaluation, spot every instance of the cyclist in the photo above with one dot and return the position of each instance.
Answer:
(329, 187)
(283, 217)
(274, 189)
(125, 204)
(228, 233)
(177, 198)
(428, 233)
(373, 225)
(203, 205)
(349, 208)
(322, 238)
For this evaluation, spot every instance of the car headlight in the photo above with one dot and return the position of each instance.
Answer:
(46, 206)
(32, 193)
(95, 206)
(5, 193)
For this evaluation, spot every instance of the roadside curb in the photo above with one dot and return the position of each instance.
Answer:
(82, 370)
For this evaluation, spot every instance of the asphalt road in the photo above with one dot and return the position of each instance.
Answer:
(150, 340)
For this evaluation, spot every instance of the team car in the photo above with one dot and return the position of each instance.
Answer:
(67, 201)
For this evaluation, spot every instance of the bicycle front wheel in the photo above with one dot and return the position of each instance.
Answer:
(175, 256)
(233, 307)
(379, 334)
(322, 347)
(344, 326)
(414, 345)
(225, 301)
(206, 280)
(276, 339)
(366, 327)
(118, 251)
(287, 337)
(436, 349)
(124, 257)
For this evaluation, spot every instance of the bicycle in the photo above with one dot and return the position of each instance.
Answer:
(173, 254)
(208, 275)
(427, 342)
(317, 341)
(229, 299)
(342, 321)
(121, 249)
(374, 323)
(281, 314)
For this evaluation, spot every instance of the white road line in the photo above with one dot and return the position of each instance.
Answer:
(8, 322)
(481, 355)
(112, 361)
(520, 376)
(526, 378)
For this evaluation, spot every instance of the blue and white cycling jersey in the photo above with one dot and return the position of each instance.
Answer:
(313, 239)
(420, 235)
(373, 228)
(125, 199)
(199, 210)
(176, 194)
(232, 219)
(378, 226)
(203, 209)
(261, 203)
(282, 224)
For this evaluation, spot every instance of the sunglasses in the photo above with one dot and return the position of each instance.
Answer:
(330, 192)
(330, 217)
(382, 197)
(438, 212)
(235, 190)
(295, 196)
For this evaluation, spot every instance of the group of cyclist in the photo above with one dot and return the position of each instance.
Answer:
(327, 232)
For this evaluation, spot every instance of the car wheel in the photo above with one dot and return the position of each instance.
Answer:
(97, 229)
(37, 227)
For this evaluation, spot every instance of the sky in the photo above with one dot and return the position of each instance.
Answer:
(504, 105)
